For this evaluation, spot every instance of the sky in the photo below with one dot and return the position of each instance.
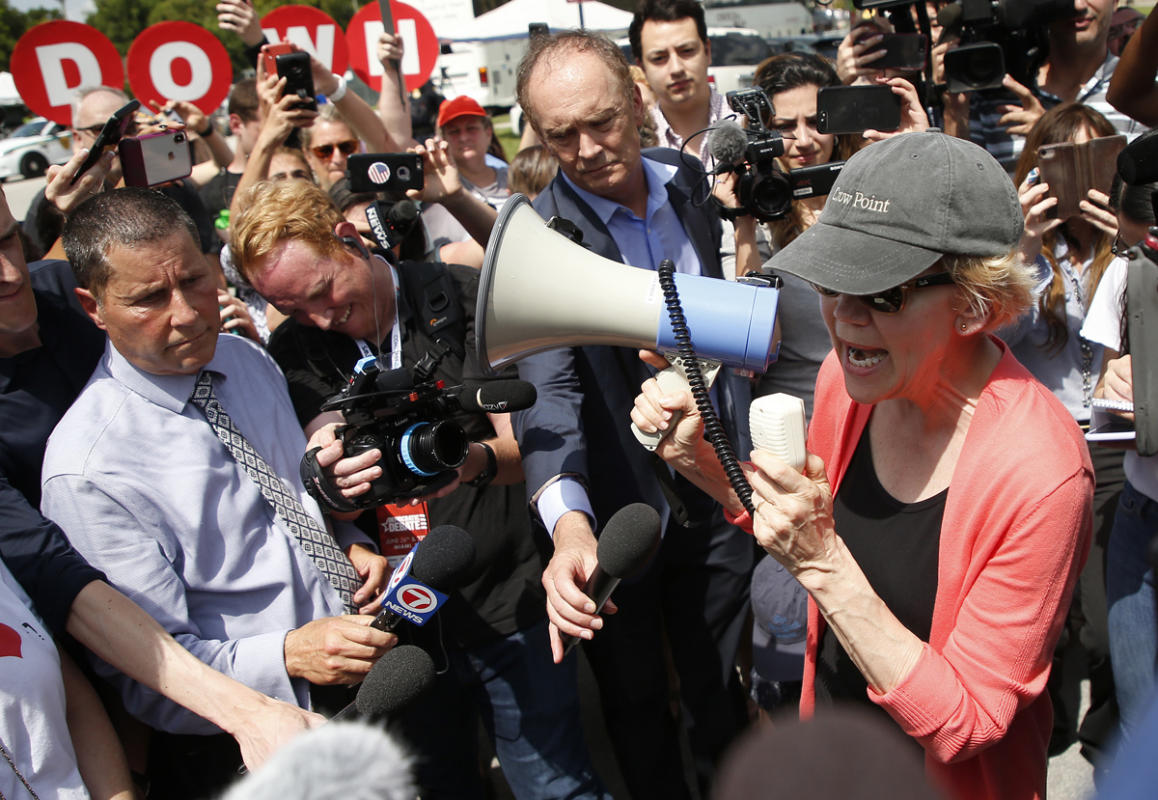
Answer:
(76, 9)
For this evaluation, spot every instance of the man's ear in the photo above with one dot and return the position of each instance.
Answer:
(637, 107)
(347, 233)
(708, 50)
(91, 306)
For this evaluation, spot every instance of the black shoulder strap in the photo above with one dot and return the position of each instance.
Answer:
(431, 292)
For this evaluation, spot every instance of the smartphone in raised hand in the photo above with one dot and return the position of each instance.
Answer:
(110, 136)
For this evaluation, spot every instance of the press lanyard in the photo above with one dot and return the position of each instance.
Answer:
(395, 330)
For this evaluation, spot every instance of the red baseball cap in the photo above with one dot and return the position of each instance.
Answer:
(461, 106)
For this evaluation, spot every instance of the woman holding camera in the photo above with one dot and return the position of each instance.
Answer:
(942, 515)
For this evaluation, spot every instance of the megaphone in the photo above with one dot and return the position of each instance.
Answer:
(539, 290)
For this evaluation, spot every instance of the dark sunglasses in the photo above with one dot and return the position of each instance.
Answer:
(890, 301)
(324, 151)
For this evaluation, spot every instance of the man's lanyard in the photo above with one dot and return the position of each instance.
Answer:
(395, 329)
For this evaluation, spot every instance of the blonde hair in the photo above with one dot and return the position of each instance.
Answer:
(998, 289)
(273, 211)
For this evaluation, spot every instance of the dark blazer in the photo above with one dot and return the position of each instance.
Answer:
(580, 423)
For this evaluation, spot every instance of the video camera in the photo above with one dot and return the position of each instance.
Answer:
(997, 36)
(405, 414)
(764, 190)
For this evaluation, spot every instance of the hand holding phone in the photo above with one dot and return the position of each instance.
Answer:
(855, 109)
(110, 135)
(392, 173)
(1072, 170)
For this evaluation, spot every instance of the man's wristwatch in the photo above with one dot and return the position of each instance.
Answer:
(488, 472)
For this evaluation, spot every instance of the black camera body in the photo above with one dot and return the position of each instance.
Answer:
(762, 187)
(1000, 36)
(406, 415)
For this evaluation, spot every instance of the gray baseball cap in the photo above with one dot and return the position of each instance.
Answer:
(898, 206)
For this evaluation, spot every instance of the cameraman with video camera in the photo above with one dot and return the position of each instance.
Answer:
(416, 319)
(1072, 64)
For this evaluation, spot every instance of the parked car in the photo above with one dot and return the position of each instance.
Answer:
(32, 147)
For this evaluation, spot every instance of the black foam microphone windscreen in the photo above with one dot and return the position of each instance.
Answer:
(443, 558)
(1138, 162)
(624, 548)
(397, 678)
(496, 397)
(441, 561)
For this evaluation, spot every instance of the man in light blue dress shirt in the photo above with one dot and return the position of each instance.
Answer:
(138, 478)
(582, 464)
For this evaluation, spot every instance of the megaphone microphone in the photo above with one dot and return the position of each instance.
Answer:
(539, 291)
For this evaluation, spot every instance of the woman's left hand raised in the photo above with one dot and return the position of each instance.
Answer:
(793, 519)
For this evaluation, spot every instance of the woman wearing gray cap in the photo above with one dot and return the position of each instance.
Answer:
(944, 510)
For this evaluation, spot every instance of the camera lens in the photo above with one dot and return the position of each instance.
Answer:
(767, 195)
(429, 448)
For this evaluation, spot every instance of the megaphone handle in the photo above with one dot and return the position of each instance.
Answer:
(672, 380)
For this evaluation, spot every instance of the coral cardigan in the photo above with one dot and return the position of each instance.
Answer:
(1014, 536)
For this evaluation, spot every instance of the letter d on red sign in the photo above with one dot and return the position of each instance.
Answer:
(55, 59)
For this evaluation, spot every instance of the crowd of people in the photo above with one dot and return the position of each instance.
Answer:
(181, 599)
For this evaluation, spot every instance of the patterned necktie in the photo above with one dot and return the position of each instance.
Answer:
(311, 535)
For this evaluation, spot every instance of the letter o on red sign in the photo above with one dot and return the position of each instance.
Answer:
(179, 61)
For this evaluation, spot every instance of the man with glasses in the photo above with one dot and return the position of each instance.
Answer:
(51, 207)
(582, 466)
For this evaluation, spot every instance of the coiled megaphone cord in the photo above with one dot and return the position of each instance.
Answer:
(713, 429)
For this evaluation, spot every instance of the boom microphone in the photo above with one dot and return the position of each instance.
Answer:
(950, 18)
(496, 397)
(351, 760)
(727, 143)
(398, 677)
(625, 546)
(441, 562)
(1138, 162)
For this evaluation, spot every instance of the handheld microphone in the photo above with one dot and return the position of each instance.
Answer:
(496, 397)
(398, 677)
(626, 545)
(440, 562)
(727, 143)
(777, 425)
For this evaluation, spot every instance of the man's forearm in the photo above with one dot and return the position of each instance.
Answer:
(472, 213)
(119, 632)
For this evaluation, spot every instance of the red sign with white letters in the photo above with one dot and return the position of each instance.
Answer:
(311, 29)
(179, 61)
(54, 59)
(420, 45)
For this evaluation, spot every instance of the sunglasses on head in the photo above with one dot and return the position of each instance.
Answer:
(324, 151)
(890, 301)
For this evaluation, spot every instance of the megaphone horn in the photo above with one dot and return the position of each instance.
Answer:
(539, 290)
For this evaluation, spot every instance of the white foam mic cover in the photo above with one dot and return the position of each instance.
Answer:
(777, 423)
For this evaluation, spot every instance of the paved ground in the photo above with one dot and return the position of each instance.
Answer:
(20, 193)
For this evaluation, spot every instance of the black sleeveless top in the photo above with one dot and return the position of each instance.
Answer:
(896, 545)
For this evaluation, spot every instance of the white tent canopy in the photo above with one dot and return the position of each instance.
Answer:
(510, 20)
(8, 94)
